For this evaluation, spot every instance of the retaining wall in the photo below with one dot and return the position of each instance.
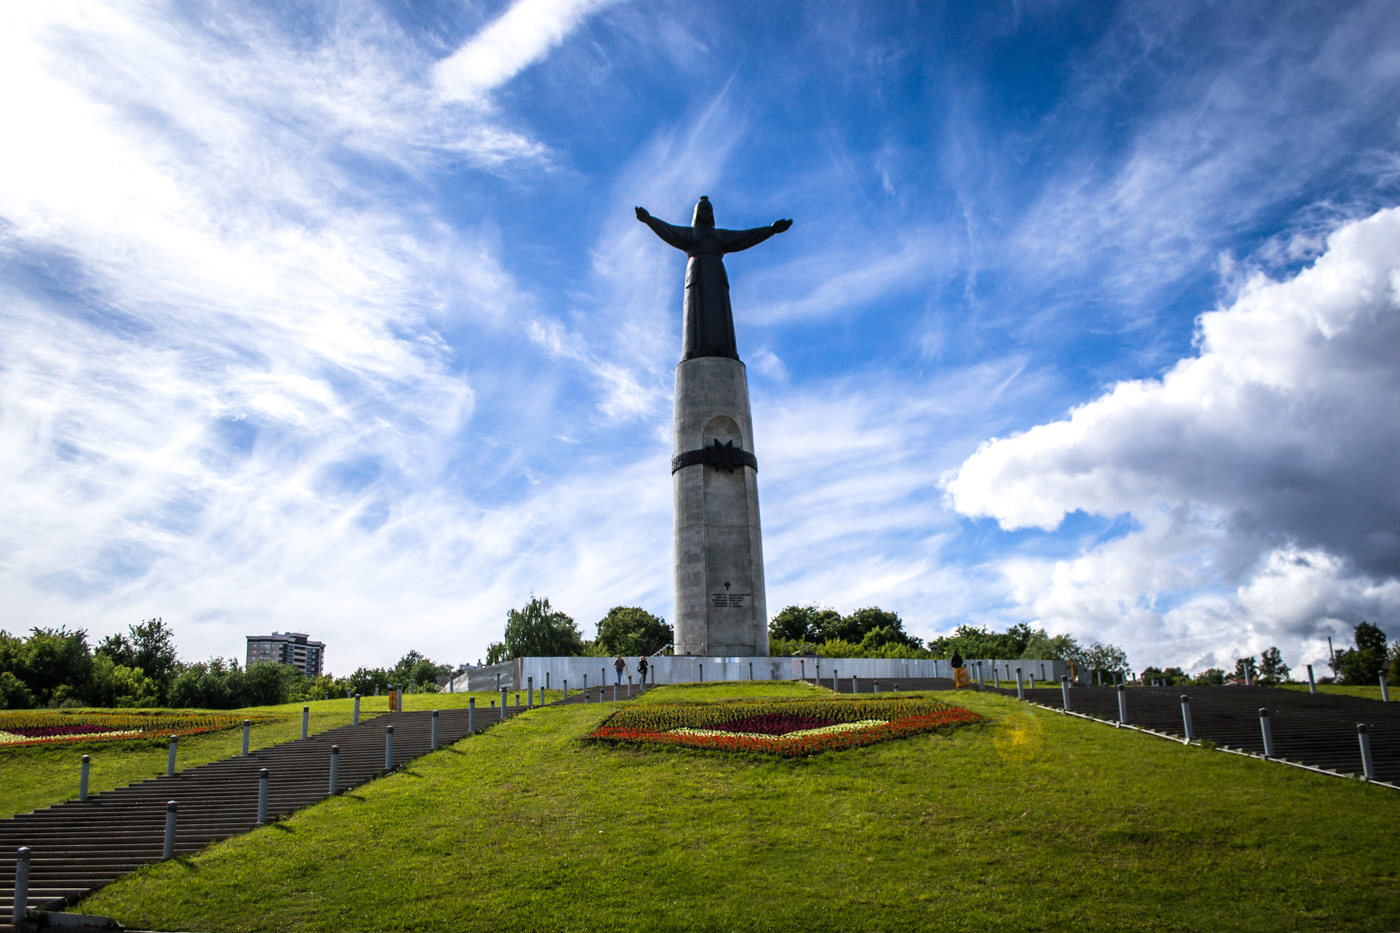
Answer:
(670, 669)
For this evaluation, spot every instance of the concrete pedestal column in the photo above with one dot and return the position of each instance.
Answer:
(721, 608)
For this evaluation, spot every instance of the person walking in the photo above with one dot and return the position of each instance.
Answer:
(642, 669)
(619, 665)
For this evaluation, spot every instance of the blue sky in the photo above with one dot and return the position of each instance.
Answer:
(335, 317)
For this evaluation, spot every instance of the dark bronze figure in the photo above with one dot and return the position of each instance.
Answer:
(708, 328)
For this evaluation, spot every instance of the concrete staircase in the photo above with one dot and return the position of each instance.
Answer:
(76, 847)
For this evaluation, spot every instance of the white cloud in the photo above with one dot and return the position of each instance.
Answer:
(1258, 467)
(521, 36)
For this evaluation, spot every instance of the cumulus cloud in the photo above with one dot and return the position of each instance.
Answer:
(1261, 465)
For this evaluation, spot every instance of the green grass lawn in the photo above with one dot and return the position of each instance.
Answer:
(37, 776)
(1370, 693)
(1031, 821)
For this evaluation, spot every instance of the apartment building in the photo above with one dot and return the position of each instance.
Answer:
(293, 648)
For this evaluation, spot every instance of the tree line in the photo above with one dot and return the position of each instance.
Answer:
(878, 633)
(540, 631)
(141, 668)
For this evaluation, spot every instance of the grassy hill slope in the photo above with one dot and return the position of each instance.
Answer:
(1034, 821)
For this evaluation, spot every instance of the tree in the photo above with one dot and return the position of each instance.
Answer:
(13, 693)
(269, 683)
(1362, 664)
(857, 625)
(365, 679)
(629, 630)
(212, 684)
(1211, 677)
(1272, 670)
(539, 631)
(50, 659)
(803, 623)
(1242, 665)
(414, 668)
(150, 648)
(116, 685)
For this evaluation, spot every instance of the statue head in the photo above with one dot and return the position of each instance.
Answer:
(704, 213)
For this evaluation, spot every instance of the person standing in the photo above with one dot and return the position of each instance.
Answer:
(619, 665)
(642, 669)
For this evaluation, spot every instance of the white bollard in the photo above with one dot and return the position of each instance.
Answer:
(1367, 770)
(1020, 686)
(1268, 732)
(1064, 690)
(170, 756)
(335, 770)
(21, 905)
(1186, 717)
(435, 722)
(83, 779)
(168, 850)
(1122, 704)
(247, 725)
(388, 748)
(305, 720)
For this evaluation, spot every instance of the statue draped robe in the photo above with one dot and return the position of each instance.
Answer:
(708, 327)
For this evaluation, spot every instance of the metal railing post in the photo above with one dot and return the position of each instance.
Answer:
(566, 689)
(83, 778)
(1064, 690)
(503, 704)
(435, 724)
(247, 727)
(855, 684)
(471, 715)
(1186, 717)
(357, 709)
(875, 686)
(1020, 686)
(1385, 690)
(1312, 682)
(1122, 704)
(21, 887)
(1268, 732)
(305, 720)
(388, 748)
(629, 686)
(1367, 769)
(530, 693)
(335, 770)
(168, 850)
(170, 756)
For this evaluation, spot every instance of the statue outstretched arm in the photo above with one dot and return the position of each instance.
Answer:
(679, 237)
(736, 240)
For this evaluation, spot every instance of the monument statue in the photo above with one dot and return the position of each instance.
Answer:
(721, 609)
(707, 327)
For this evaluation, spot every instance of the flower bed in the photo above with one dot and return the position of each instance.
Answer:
(40, 727)
(789, 728)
